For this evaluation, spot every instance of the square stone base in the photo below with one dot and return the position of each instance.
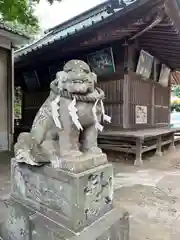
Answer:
(24, 223)
(74, 199)
(54, 204)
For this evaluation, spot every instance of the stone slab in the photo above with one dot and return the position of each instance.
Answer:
(81, 163)
(24, 224)
(75, 200)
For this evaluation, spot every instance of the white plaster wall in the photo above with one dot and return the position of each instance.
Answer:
(3, 100)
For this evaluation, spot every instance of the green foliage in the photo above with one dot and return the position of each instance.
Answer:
(50, 1)
(175, 107)
(177, 91)
(21, 12)
(18, 10)
(175, 104)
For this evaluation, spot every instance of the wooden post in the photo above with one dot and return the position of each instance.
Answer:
(159, 147)
(10, 96)
(128, 67)
(155, 75)
(138, 161)
(126, 101)
(153, 105)
(172, 147)
(155, 78)
(5, 99)
(126, 89)
(169, 112)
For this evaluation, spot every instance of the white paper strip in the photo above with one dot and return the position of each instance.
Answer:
(55, 112)
(98, 126)
(105, 116)
(73, 113)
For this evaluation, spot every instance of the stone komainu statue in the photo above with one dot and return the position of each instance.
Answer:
(67, 124)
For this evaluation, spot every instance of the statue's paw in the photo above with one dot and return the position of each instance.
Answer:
(71, 153)
(94, 150)
(23, 156)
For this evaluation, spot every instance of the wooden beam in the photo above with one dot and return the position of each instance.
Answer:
(170, 24)
(165, 27)
(172, 33)
(160, 48)
(126, 80)
(147, 28)
(164, 47)
(95, 42)
(160, 25)
(157, 41)
(169, 39)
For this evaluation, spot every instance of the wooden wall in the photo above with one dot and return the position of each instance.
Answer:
(123, 90)
(32, 100)
(31, 104)
(161, 104)
(152, 95)
(114, 100)
(140, 92)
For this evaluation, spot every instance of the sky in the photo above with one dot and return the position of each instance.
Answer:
(50, 16)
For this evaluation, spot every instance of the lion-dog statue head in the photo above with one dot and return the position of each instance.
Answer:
(76, 78)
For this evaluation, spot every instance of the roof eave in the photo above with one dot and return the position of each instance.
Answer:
(130, 8)
(172, 9)
(90, 11)
(19, 53)
(15, 38)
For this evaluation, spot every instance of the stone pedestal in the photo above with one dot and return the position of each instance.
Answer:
(54, 204)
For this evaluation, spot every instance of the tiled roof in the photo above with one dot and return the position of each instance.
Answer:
(13, 28)
(77, 24)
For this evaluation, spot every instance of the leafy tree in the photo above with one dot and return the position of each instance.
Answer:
(50, 1)
(20, 12)
(177, 91)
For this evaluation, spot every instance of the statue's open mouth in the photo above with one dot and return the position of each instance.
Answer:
(79, 81)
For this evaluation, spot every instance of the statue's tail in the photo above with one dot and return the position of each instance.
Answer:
(28, 151)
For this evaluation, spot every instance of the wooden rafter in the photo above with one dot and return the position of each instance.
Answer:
(162, 46)
(147, 27)
(160, 40)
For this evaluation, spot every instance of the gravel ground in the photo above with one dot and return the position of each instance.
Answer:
(151, 195)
